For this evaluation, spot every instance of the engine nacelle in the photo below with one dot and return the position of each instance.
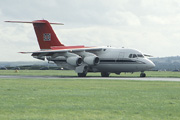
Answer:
(59, 58)
(74, 60)
(40, 58)
(92, 60)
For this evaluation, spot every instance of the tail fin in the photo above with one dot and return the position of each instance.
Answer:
(45, 34)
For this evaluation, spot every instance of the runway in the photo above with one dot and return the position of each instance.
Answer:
(91, 78)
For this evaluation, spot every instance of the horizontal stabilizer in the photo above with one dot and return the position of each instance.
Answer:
(37, 21)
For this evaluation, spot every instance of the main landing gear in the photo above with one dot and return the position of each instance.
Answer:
(84, 71)
(143, 74)
(105, 74)
(82, 74)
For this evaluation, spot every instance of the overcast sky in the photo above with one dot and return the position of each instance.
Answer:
(151, 26)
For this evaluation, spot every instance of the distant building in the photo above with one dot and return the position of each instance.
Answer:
(3, 68)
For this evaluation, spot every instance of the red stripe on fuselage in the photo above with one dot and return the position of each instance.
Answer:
(67, 47)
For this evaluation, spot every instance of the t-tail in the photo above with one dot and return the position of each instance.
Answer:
(45, 34)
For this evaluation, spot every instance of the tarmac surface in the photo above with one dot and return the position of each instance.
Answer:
(106, 78)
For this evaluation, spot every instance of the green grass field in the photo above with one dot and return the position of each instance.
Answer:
(72, 73)
(83, 99)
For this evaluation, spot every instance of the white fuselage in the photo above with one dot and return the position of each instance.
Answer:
(115, 60)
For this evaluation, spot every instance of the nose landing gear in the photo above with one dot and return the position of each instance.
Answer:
(143, 74)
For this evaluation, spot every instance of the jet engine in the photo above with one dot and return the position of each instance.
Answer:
(74, 60)
(91, 60)
(40, 58)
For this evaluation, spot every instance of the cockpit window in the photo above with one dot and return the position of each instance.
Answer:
(140, 55)
(130, 56)
(136, 55)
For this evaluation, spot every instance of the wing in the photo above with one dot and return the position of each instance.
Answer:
(67, 53)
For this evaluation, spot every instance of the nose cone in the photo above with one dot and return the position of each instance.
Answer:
(150, 64)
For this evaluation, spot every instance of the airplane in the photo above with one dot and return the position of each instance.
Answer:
(85, 59)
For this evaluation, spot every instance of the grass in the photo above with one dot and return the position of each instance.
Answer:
(72, 73)
(53, 99)
(78, 99)
(39, 72)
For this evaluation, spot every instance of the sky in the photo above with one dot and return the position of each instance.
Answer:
(151, 26)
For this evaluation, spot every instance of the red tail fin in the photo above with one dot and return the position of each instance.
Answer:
(45, 34)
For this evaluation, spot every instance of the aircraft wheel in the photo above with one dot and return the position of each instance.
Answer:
(105, 74)
(142, 75)
(82, 74)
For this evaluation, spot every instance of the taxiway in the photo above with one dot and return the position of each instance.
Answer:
(106, 78)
